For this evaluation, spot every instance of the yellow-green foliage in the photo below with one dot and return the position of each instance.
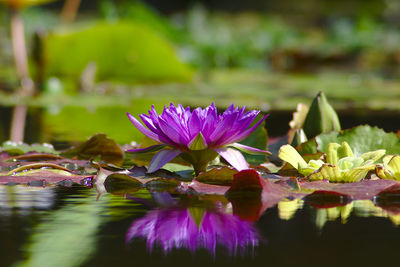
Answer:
(390, 168)
(123, 51)
(340, 163)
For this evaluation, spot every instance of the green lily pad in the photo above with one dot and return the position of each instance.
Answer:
(14, 148)
(217, 176)
(361, 139)
(121, 183)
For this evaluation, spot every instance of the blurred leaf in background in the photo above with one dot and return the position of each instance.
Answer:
(122, 51)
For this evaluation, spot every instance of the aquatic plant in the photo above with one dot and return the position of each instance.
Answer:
(340, 165)
(198, 137)
(174, 228)
(390, 169)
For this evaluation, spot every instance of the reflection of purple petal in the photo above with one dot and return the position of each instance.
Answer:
(176, 228)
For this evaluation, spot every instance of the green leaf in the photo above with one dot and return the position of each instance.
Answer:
(258, 139)
(321, 117)
(121, 184)
(332, 153)
(14, 148)
(217, 176)
(390, 168)
(123, 51)
(291, 156)
(299, 137)
(98, 145)
(361, 139)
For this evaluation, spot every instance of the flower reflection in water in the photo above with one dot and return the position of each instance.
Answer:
(182, 228)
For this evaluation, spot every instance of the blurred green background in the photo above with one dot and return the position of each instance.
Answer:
(93, 64)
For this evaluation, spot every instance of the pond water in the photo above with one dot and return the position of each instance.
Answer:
(89, 226)
(75, 226)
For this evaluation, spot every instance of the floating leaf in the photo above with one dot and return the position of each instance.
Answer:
(28, 167)
(121, 184)
(14, 148)
(98, 145)
(247, 181)
(217, 176)
(46, 176)
(359, 190)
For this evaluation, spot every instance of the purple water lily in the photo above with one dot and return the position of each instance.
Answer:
(199, 136)
(177, 228)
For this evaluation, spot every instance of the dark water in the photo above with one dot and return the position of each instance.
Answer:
(74, 226)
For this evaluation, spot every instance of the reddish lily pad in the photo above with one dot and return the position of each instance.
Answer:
(389, 199)
(207, 189)
(45, 175)
(247, 181)
(359, 190)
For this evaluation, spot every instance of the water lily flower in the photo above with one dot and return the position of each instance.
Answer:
(182, 228)
(198, 137)
(340, 165)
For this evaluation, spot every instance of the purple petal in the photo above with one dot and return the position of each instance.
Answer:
(233, 157)
(173, 133)
(245, 133)
(223, 126)
(194, 124)
(175, 122)
(143, 129)
(249, 149)
(147, 149)
(161, 158)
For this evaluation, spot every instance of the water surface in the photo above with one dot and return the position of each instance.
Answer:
(75, 226)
